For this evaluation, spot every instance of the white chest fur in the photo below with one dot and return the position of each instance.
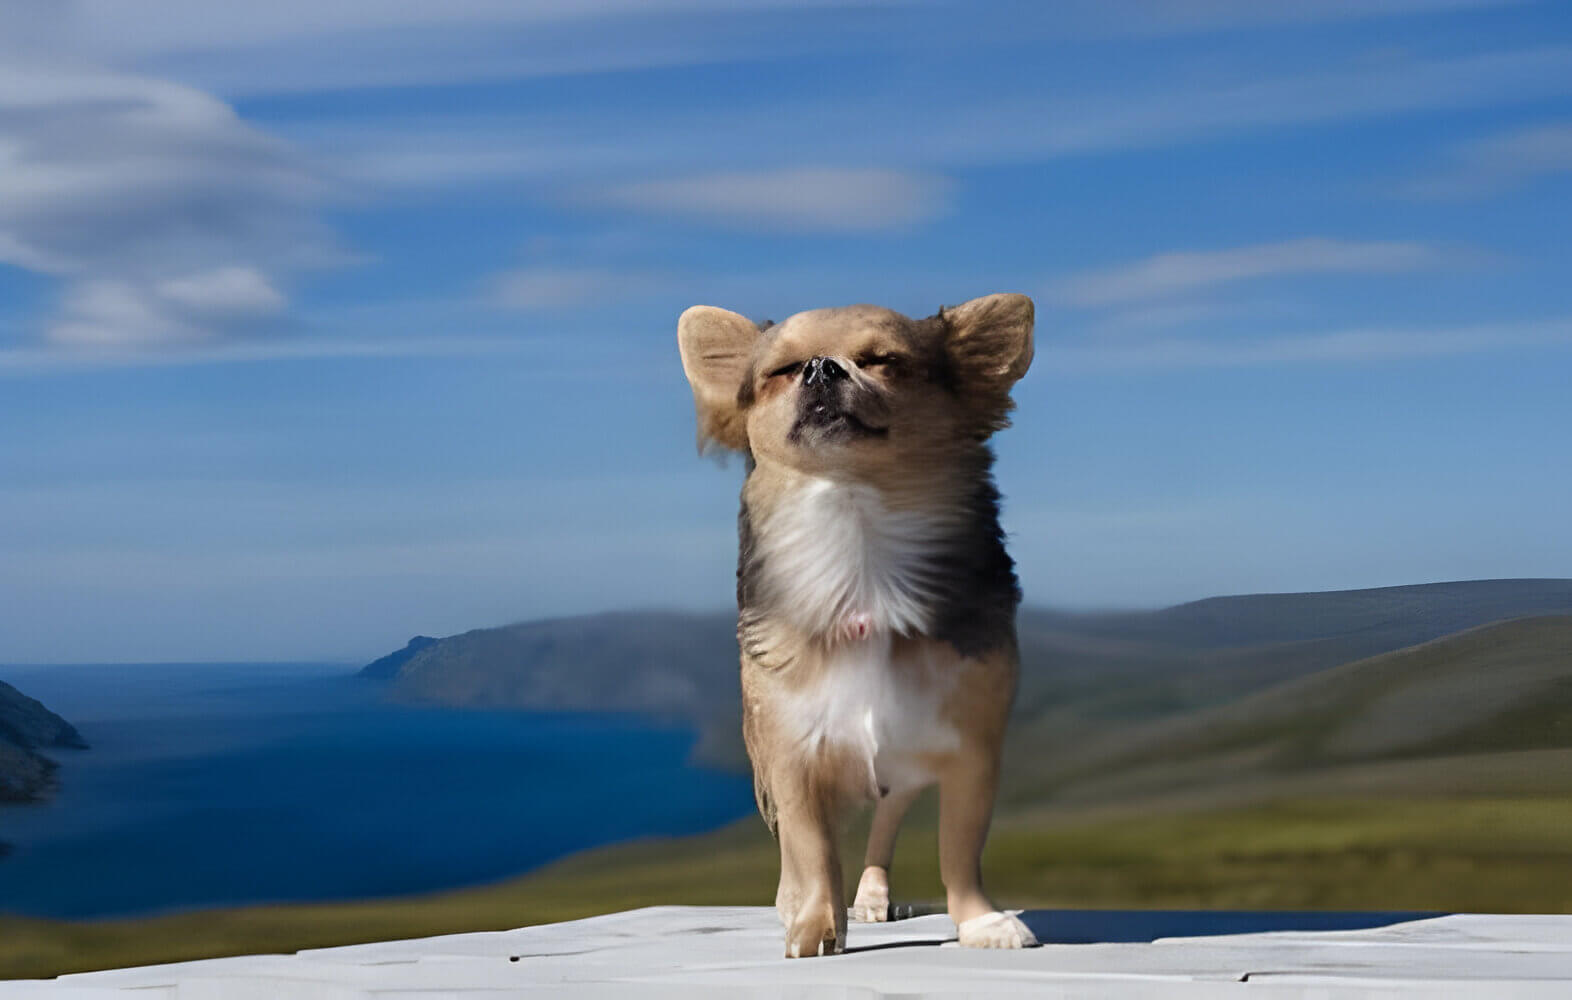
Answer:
(834, 552)
(886, 710)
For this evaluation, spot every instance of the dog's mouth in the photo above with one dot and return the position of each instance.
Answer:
(821, 420)
(838, 410)
(826, 416)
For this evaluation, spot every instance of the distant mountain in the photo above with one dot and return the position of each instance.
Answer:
(390, 664)
(1145, 663)
(1404, 615)
(671, 665)
(25, 727)
(1496, 688)
(1081, 673)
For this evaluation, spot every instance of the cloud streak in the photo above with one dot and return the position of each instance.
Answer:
(1169, 274)
(956, 129)
(1499, 162)
(85, 355)
(1357, 346)
(543, 288)
(298, 46)
(796, 199)
(1170, 17)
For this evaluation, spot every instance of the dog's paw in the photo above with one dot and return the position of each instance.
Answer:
(995, 930)
(813, 933)
(872, 905)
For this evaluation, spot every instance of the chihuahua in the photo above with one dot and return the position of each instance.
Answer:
(876, 600)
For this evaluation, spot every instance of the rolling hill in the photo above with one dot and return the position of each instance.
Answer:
(1082, 674)
(1492, 689)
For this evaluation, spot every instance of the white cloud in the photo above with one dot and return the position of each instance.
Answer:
(130, 188)
(1497, 162)
(1358, 346)
(1166, 17)
(794, 199)
(1147, 317)
(117, 351)
(30, 258)
(225, 291)
(111, 313)
(531, 288)
(1169, 274)
(114, 313)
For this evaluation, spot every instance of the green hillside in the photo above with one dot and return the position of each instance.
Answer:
(1504, 686)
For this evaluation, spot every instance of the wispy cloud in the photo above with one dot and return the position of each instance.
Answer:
(1166, 17)
(117, 312)
(181, 25)
(1150, 317)
(224, 291)
(1356, 346)
(296, 45)
(955, 129)
(1498, 162)
(1169, 274)
(537, 288)
(86, 354)
(798, 199)
(1359, 90)
(167, 216)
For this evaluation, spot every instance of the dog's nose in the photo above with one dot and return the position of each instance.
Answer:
(822, 371)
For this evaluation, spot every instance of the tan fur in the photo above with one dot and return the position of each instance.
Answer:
(922, 397)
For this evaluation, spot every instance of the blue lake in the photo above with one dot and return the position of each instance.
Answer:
(225, 784)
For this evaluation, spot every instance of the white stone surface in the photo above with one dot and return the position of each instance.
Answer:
(696, 953)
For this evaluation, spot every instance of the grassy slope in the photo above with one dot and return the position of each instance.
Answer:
(1472, 852)
(1503, 686)
(1396, 782)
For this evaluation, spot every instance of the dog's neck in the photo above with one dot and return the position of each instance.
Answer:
(845, 560)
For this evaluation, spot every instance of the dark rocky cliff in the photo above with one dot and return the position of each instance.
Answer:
(26, 727)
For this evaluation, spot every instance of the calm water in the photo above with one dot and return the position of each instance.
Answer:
(231, 784)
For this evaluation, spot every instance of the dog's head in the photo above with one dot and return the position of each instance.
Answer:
(856, 387)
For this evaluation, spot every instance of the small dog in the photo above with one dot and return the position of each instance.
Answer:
(876, 600)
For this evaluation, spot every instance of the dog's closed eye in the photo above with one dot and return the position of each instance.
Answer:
(887, 362)
(786, 371)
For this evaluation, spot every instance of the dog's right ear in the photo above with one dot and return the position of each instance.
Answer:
(717, 356)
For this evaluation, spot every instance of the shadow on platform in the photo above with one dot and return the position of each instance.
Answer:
(1120, 926)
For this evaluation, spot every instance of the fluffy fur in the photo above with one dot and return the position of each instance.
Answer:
(835, 555)
(876, 600)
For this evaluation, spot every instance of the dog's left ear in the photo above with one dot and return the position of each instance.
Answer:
(717, 356)
(989, 345)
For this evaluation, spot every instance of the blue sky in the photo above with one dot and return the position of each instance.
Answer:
(323, 324)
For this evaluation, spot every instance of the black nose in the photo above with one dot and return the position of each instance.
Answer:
(822, 371)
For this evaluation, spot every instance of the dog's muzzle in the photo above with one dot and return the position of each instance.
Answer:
(828, 407)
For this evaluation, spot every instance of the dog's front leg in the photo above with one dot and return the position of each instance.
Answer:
(811, 900)
(872, 904)
(966, 793)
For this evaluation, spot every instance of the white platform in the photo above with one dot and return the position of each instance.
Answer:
(697, 953)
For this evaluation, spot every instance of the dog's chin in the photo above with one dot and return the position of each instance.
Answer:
(823, 426)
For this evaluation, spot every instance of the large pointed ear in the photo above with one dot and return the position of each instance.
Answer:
(717, 356)
(989, 344)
